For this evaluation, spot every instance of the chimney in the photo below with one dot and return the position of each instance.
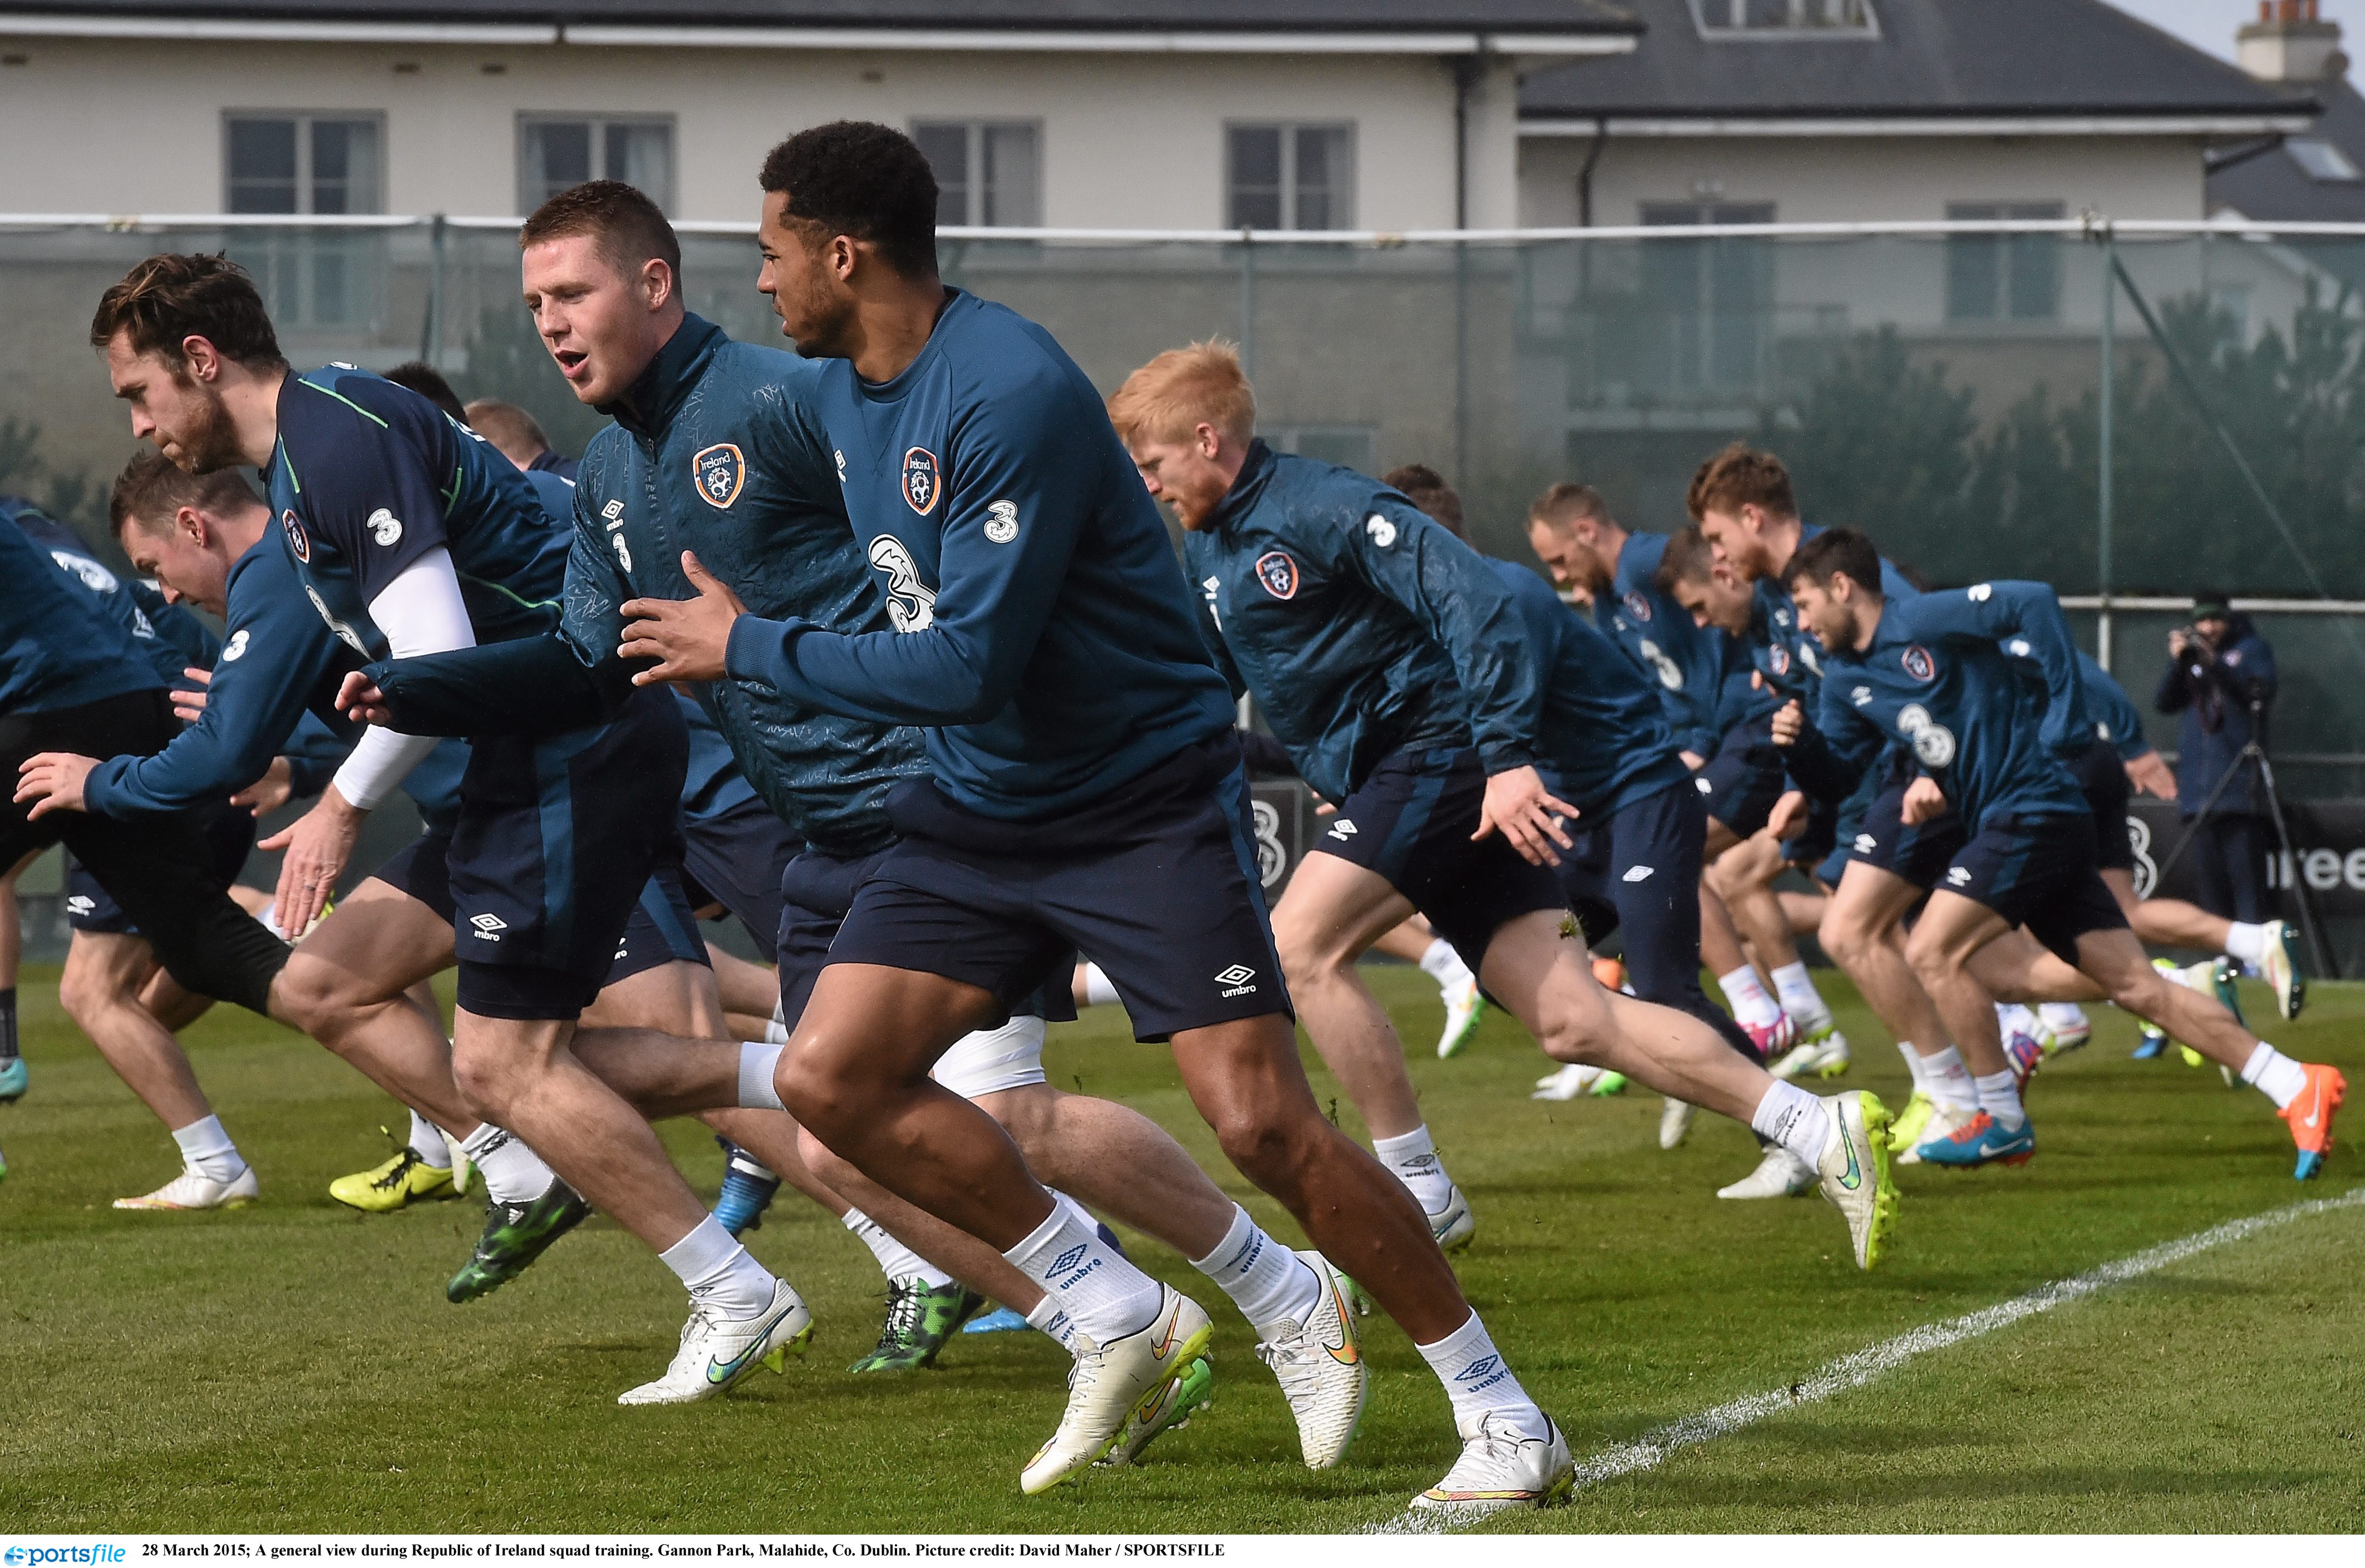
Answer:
(2288, 43)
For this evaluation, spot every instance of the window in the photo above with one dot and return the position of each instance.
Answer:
(1707, 304)
(1289, 176)
(556, 153)
(1785, 18)
(989, 175)
(2003, 277)
(301, 163)
(2321, 160)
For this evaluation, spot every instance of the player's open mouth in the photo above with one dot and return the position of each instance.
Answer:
(571, 361)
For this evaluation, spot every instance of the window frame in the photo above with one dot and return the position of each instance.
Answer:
(2002, 252)
(1343, 193)
(974, 131)
(598, 124)
(1868, 30)
(304, 120)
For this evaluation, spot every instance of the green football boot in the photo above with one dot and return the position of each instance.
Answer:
(515, 1235)
(919, 1321)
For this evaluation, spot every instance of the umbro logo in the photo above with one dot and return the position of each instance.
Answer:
(614, 514)
(1865, 844)
(488, 926)
(1235, 980)
(1069, 1258)
(1638, 874)
(1342, 830)
(1960, 876)
(1484, 1367)
(1860, 696)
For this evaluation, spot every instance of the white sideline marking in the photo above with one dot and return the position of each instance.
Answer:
(1860, 1367)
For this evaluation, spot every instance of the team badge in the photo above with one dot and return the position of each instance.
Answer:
(922, 483)
(1778, 657)
(297, 540)
(720, 471)
(1001, 521)
(1919, 665)
(1639, 608)
(1279, 575)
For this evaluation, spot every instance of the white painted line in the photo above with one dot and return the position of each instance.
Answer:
(1860, 1367)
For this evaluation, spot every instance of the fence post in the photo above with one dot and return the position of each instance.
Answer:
(2102, 443)
(1248, 300)
(431, 331)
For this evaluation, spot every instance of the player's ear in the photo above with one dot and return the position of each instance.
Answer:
(191, 523)
(656, 282)
(204, 361)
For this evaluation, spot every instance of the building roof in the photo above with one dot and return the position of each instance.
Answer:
(1366, 16)
(2287, 180)
(1933, 61)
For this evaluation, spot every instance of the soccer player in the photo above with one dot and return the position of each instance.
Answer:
(1929, 671)
(517, 435)
(406, 535)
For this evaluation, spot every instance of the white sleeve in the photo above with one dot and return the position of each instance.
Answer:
(421, 612)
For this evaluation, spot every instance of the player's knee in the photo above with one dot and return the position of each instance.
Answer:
(1027, 1114)
(1259, 1140)
(818, 1093)
(84, 990)
(1576, 1028)
(1925, 954)
(486, 1078)
(1844, 937)
(314, 996)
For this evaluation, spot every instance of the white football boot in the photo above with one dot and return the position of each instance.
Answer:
(1780, 1174)
(1108, 1380)
(1854, 1170)
(717, 1351)
(1465, 1005)
(1675, 1122)
(193, 1189)
(1453, 1224)
(1500, 1469)
(1320, 1368)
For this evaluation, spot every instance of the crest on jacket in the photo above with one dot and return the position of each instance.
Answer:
(1919, 663)
(922, 483)
(297, 540)
(720, 471)
(1278, 573)
(1638, 607)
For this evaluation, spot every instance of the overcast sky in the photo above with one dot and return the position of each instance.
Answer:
(2211, 24)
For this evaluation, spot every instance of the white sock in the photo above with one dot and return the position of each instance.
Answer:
(776, 1032)
(1799, 998)
(206, 1150)
(719, 1272)
(2268, 1071)
(1086, 1278)
(1098, 992)
(1048, 1317)
(1444, 965)
(757, 1061)
(896, 1260)
(1265, 1279)
(513, 1173)
(1796, 1120)
(2245, 942)
(1493, 1391)
(1948, 1081)
(1411, 1158)
(427, 1142)
(1999, 1098)
(2059, 1016)
(1751, 1008)
(1913, 1064)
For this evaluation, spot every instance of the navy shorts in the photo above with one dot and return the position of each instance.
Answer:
(2038, 872)
(1919, 852)
(2102, 779)
(1410, 822)
(1158, 882)
(227, 834)
(1812, 847)
(1638, 871)
(736, 858)
(1740, 784)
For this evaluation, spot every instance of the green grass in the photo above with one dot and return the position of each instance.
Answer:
(295, 1367)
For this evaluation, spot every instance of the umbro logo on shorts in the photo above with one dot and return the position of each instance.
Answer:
(1865, 844)
(488, 926)
(1342, 830)
(1960, 876)
(1236, 979)
(1638, 873)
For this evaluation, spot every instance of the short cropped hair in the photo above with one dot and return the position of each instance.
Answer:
(1738, 477)
(1424, 487)
(631, 229)
(169, 298)
(151, 489)
(508, 427)
(868, 181)
(1833, 551)
(1688, 558)
(428, 382)
(1184, 388)
(1565, 502)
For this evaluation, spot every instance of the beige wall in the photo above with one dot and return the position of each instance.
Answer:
(1863, 179)
(1129, 141)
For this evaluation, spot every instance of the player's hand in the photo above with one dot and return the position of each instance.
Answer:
(2149, 774)
(271, 791)
(52, 781)
(318, 844)
(687, 637)
(190, 706)
(1526, 814)
(1693, 760)
(2178, 641)
(1790, 722)
(359, 699)
(1788, 815)
(1924, 801)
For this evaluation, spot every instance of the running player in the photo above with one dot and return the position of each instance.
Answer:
(1929, 671)
(408, 535)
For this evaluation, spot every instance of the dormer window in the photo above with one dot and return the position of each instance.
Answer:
(1785, 18)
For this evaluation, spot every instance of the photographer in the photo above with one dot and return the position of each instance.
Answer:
(2221, 678)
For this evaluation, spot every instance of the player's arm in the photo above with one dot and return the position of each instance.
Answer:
(1826, 758)
(1211, 633)
(1010, 466)
(2017, 614)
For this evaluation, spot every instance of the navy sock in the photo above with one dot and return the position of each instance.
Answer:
(7, 1023)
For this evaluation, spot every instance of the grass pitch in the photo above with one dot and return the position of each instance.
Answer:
(295, 1367)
